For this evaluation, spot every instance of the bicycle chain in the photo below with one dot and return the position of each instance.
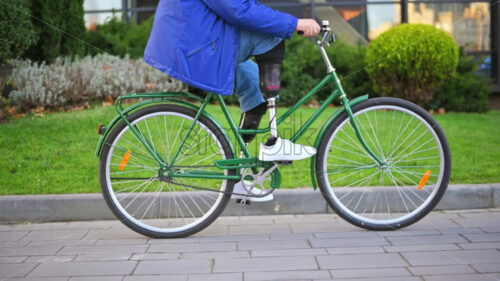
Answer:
(218, 191)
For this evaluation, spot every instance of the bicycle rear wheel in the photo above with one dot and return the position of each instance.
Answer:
(388, 197)
(138, 193)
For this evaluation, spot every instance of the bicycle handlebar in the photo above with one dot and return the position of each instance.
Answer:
(328, 36)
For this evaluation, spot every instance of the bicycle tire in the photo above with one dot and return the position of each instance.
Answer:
(332, 170)
(148, 225)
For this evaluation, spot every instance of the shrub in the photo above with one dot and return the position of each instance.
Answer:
(16, 30)
(303, 68)
(120, 38)
(4, 107)
(61, 15)
(465, 90)
(66, 83)
(74, 24)
(411, 61)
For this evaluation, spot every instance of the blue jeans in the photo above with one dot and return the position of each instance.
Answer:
(247, 71)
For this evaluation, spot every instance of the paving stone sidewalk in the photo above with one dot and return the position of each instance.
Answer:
(446, 245)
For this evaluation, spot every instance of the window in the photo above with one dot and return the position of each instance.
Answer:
(467, 23)
(92, 17)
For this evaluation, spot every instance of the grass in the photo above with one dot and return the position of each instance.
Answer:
(55, 154)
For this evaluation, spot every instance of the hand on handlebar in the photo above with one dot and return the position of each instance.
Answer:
(308, 27)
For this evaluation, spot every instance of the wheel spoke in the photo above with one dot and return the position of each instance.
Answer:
(191, 146)
(362, 181)
(346, 150)
(176, 137)
(397, 157)
(348, 160)
(355, 169)
(399, 131)
(167, 137)
(417, 159)
(408, 146)
(134, 156)
(352, 139)
(403, 141)
(354, 183)
(375, 135)
(399, 191)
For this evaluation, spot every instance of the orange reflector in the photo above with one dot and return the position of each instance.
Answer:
(424, 179)
(125, 160)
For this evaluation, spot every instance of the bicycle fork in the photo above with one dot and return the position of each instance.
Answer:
(345, 103)
(354, 124)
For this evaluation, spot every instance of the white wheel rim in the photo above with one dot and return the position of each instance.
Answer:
(126, 213)
(397, 220)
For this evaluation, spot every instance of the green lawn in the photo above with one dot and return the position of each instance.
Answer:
(55, 153)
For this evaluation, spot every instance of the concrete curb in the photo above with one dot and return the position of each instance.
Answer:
(49, 208)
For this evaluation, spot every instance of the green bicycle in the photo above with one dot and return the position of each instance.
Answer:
(168, 168)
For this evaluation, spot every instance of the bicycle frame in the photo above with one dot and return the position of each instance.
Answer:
(248, 161)
(338, 93)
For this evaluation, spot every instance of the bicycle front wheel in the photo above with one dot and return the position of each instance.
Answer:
(135, 188)
(384, 197)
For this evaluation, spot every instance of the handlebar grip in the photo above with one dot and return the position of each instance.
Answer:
(300, 32)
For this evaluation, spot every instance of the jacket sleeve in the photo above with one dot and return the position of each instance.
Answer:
(253, 16)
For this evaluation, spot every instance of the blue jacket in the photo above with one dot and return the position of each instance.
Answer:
(197, 41)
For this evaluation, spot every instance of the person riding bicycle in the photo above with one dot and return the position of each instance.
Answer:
(209, 44)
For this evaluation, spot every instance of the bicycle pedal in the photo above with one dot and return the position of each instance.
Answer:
(286, 163)
(243, 202)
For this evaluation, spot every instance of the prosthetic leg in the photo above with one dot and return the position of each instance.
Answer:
(270, 83)
(276, 148)
(269, 74)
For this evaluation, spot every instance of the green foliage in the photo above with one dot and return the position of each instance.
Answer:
(74, 25)
(4, 107)
(120, 38)
(466, 91)
(16, 30)
(303, 68)
(411, 61)
(57, 23)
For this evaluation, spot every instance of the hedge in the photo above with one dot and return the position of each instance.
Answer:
(57, 23)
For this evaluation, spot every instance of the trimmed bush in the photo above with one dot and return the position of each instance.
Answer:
(120, 38)
(65, 83)
(61, 15)
(16, 30)
(411, 61)
(465, 91)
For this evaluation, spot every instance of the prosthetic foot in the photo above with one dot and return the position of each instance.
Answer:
(285, 150)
